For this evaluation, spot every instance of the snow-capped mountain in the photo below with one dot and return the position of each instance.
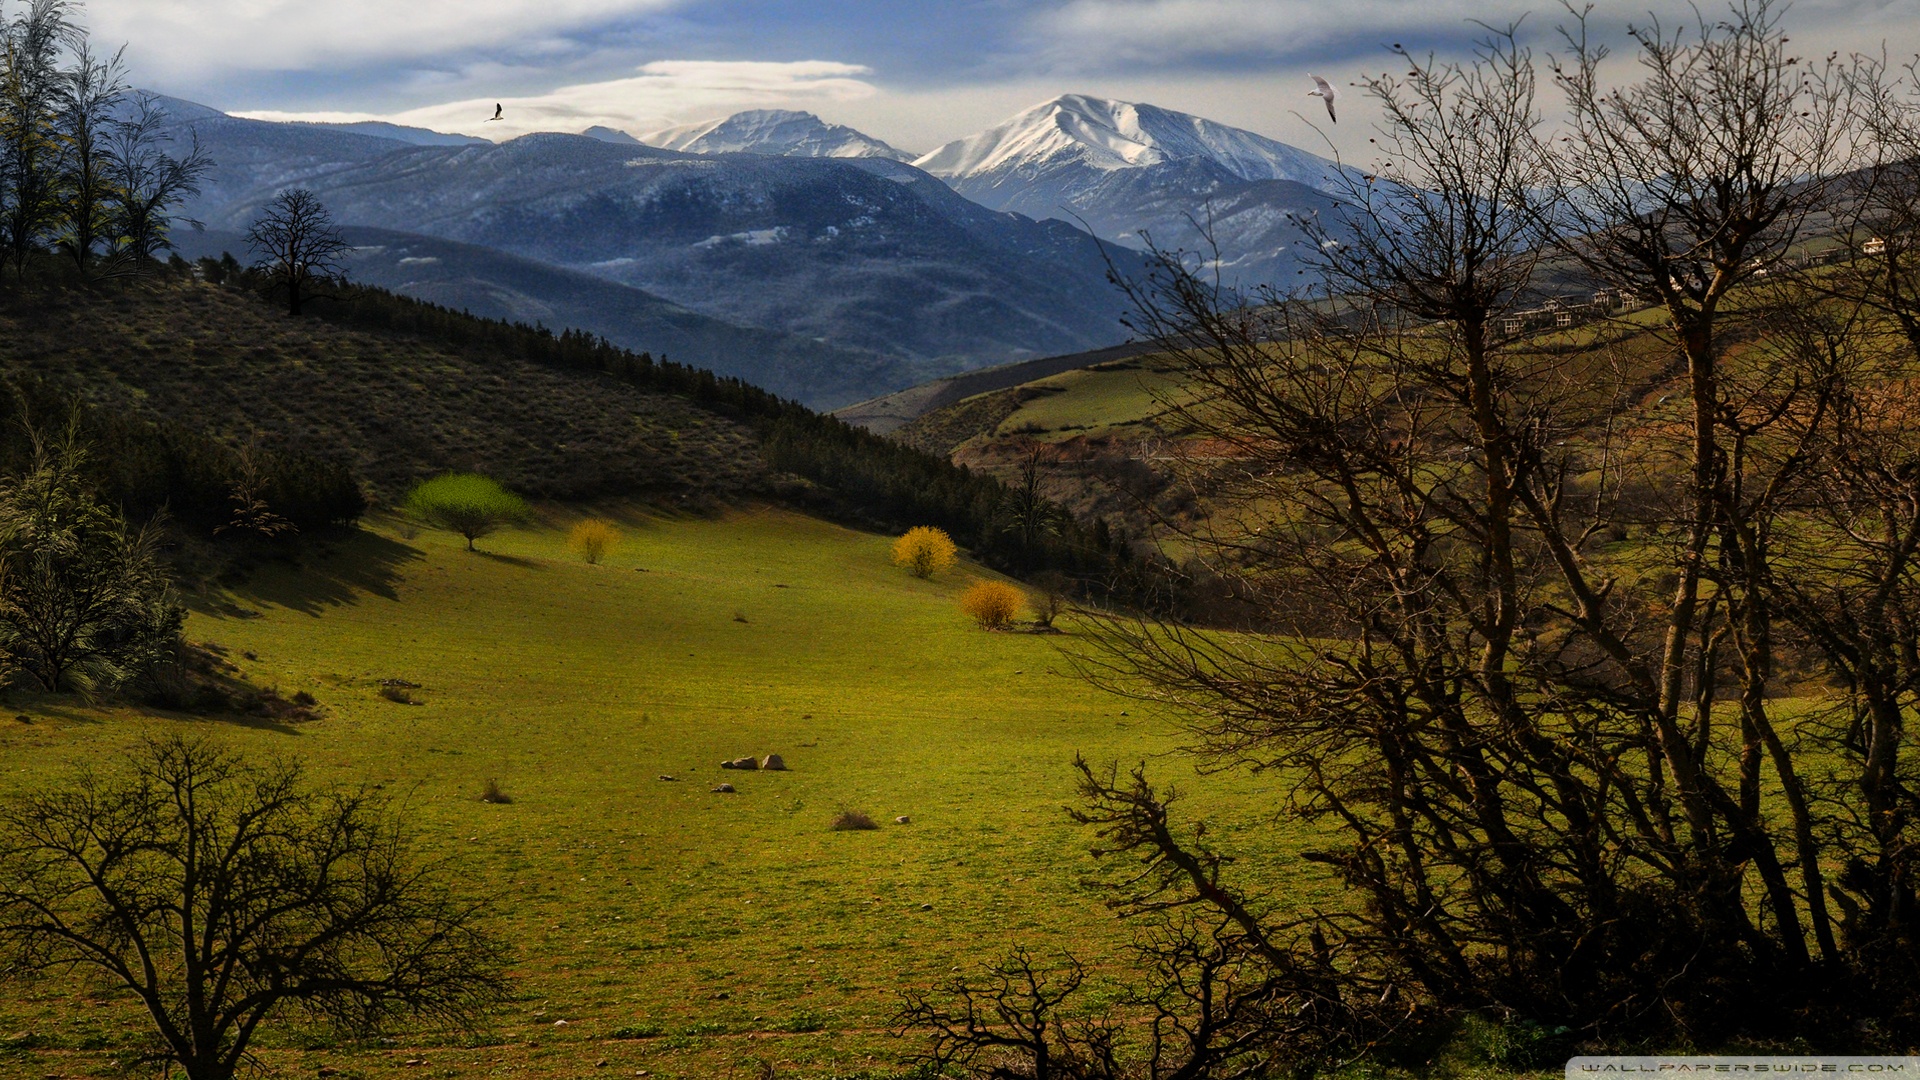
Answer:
(773, 131)
(1131, 171)
(1074, 132)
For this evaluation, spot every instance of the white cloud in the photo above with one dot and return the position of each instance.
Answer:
(1100, 32)
(179, 36)
(664, 92)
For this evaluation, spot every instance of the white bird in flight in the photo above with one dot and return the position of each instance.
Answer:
(1324, 90)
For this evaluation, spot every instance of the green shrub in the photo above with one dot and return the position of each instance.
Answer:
(466, 503)
(802, 1022)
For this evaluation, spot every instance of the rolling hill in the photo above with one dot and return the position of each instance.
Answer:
(396, 407)
(722, 624)
(494, 285)
(889, 412)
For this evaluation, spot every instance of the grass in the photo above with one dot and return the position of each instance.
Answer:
(675, 930)
(1109, 398)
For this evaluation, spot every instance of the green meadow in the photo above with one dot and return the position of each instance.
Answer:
(661, 926)
(1108, 399)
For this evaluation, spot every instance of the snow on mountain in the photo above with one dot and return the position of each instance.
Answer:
(1100, 134)
(412, 136)
(1130, 172)
(612, 135)
(773, 131)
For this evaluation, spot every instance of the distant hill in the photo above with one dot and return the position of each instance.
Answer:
(413, 136)
(1129, 171)
(773, 131)
(255, 155)
(495, 285)
(888, 413)
(864, 253)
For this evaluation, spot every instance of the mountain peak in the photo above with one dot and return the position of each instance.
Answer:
(610, 135)
(1104, 134)
(779, 132)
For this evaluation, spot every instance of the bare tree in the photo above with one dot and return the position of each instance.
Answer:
(148, 182)
(90, 92)
(1533, 617)
(223, 894)
(297, 244)
(1025, 511)
(30, 137)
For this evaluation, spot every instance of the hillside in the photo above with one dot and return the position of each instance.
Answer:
(374, 391)
(494, 285)
(396, 407)
(885, 414)
(1112, 445)
(672, 926)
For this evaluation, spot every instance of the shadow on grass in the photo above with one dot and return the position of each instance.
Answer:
(241, 720)
(360, 565)
(38, 707)
(68, 711)
(511, 560)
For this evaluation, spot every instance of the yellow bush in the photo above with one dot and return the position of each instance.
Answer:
(993, 604)
(924, 550)
(592, 539)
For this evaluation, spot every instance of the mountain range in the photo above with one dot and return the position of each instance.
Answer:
(1132, 174)
(784, 249)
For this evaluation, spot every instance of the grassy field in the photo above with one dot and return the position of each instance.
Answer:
(1116, 398)
(673, 929)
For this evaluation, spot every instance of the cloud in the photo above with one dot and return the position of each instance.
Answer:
(663, 92)
(295, 35)
(1100, 33)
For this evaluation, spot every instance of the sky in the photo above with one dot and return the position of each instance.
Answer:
(915, 73)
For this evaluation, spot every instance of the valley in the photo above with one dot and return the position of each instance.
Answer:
(569, 564)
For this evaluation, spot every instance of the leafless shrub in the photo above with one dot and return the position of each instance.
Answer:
(852, 820)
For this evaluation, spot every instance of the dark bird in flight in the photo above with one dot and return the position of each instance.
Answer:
(497, 110)
(1324, 90)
